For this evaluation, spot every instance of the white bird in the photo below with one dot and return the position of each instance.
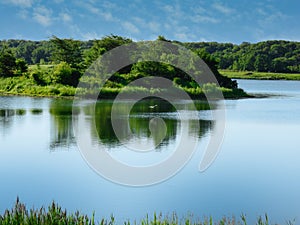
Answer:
(152, 106)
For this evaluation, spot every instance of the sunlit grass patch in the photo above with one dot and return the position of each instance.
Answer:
(259, 75)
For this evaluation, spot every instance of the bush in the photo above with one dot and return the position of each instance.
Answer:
(38, 78)
(21, 66)
(64, 74)
(7, 63)
(210, 88)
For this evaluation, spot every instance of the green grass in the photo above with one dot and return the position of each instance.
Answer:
(55, 215)
(260, 75)
(26, 86)
(42, 67)
(41, 80)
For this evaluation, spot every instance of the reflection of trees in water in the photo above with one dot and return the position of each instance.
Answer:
(7, 116)
(36, 111)
(141, 116)
(137, 125)
(101, 116)
(162, 133)
(200, 130)
(61, 124)
(139, 122)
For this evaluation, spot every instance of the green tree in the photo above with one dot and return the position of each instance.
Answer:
(143, 69)
(21, 66)
(24, 50)
(64, 74)
(162, 38)
(261, 63)
(67, 50)
(7, 62)
(246, 62)
(112, 41)
(38, 77)
(40, 54)
(280, 65)
(277, 50)
(92, 54)
(212, 64)
(103, 45)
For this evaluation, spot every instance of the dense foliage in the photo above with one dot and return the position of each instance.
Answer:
(266, 56)
(63, 62)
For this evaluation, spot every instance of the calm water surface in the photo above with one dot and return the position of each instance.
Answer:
(257, 170)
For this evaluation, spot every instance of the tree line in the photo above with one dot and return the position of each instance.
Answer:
(63, 61)
(68, 59)
(267, 56)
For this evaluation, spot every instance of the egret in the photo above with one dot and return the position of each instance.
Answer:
(152, 106)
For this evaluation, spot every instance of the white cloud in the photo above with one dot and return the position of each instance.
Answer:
(261, 11)
(203, 15)
(109, 5)
(43, 16)
(65, 17)
(23, 14)
(275, 17)
(91, 36)
(184, 36)
(107, 16)
(21, 3)
(222, 9)
(199, 10)
(153, 26)
(141, 22)
(130, 27)
(174, 11)
(181, 36)
(168, 8)
(268, 16)
(204, 19)
(92, 9)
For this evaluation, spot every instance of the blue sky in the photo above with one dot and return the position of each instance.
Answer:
(186, 20)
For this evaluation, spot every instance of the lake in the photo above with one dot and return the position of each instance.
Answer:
(257, 170)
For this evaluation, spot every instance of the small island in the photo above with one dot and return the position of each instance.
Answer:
(55, 67)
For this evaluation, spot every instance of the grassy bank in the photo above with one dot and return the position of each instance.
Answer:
(27, 86)
(61, 80)
(259, 75)
(55, 215)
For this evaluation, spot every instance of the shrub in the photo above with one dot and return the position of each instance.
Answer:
(21, 66)
(38, 78)
(7, 62)
(64, 74)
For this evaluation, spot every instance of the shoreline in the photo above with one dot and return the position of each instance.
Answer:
(252, 75)
(201, 98)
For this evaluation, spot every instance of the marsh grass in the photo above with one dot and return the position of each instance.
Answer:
(55, 215)
(28, 86)
(19, 214)
(259, 75)
(24, 86)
